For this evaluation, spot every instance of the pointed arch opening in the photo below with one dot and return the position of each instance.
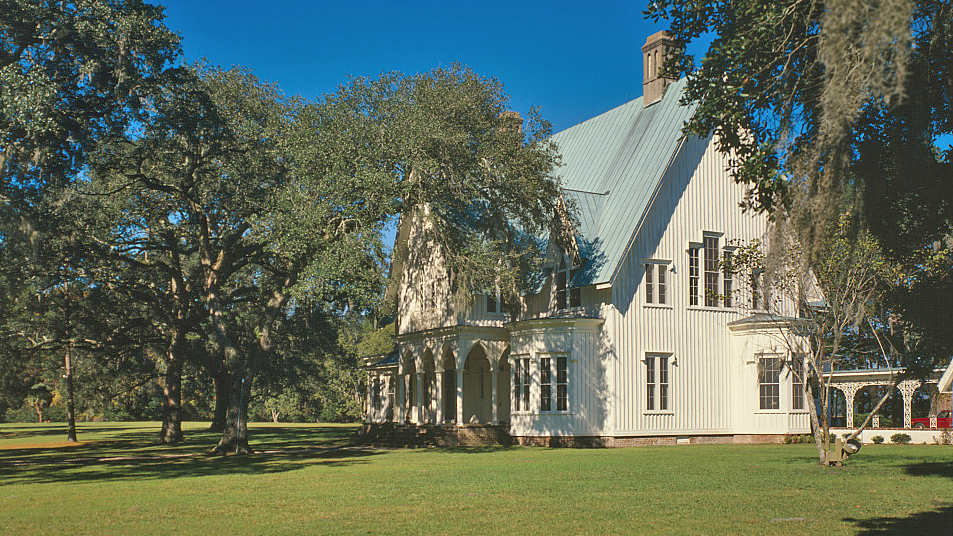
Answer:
(477, 393)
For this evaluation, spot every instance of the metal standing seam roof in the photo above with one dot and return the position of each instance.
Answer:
(611, 166)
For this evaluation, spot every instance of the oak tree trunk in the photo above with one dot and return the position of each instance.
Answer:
(171, 432)
(70, 411)
(223, 384)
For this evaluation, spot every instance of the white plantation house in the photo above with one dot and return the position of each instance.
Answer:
(637, 336)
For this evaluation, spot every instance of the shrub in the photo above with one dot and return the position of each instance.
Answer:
(877, 439)
(900, 439)
(946, 438)
(802, 438)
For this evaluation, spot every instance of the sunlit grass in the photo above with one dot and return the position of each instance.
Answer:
(302, 483)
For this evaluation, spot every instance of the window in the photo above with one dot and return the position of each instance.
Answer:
(554, 372)
(797, 383)
(562, 384)
(656, 383)
(567, 296)
(545, 385)
(728, 301)
(656, 275)
(495, 303)
(376, 390)
(649, 283)
(391, 396)
(711, 271)
(757, 290)
(693, 276)
(521, 384)
(769, 382)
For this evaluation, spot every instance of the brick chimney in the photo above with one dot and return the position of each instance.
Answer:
(654, 53)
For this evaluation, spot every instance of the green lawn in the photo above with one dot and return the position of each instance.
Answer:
(115, 482)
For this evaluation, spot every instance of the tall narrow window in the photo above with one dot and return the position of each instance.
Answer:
(769, 382)
(757, 290)
(391, 396)
(662, 383)
(526, 383)
(517, 384)
(728, 280)
(491, 304)
(693, 276)
(566, 294)
(649, 283)
(545, 385)
(562, 384)
(650, 383)
(377, 393)
(521, 384)
(656, 277)
(657, 383)
(711, 271)
(797, 383)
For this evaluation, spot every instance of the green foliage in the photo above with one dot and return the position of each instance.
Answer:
(877, 439)
(800, 438)
(70, 73)
(900, 439)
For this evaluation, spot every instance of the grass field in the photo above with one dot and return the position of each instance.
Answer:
(307, 479)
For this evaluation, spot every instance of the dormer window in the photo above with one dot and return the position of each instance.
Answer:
(568, 296)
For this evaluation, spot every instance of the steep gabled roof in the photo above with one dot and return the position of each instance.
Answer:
(612, 166)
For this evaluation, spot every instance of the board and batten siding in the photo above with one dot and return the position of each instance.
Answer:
(696, 196)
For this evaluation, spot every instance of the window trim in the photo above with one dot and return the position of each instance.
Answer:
(554, 359)
(776, 397)
(711, 248)
(567, 297)
(693, 274)
(658, 383)
(657, 283)
(758, 301)
(798, 362)
(728, 300)
(520, 368)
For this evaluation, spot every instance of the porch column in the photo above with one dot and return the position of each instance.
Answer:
(438, 394)
(907, 388)
(849, 390)
(369, 400)
(493, 395)
(401, 397)
(419, 409)
(388, 399)
(460, 421)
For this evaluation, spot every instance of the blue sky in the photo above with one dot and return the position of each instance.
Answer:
(573, 61)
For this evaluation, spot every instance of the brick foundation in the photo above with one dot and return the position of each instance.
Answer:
(410, 435)
(429, 435)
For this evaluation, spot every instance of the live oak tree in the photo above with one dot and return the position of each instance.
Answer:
(442, 146)
(70, 73)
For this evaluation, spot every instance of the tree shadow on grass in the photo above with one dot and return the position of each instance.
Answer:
(929, 523)
(944, 469)
(132, 453)
(140, 467)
